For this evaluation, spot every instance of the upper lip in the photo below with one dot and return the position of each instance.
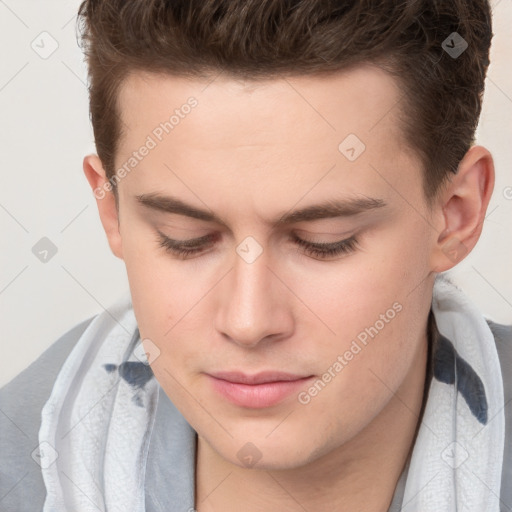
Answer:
(257, 378)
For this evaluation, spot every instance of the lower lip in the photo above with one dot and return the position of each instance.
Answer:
(257, 396)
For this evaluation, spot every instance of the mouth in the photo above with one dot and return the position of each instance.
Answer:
(257, 391)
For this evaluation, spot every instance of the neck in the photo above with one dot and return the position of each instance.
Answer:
(359, 475)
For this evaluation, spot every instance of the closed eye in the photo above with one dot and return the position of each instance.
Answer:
(326, 250)
(192, 247)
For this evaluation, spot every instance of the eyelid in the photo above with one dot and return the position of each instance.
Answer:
(310, 236)
(191, 242)
(338, 246)
(322, 251)
(195, 241)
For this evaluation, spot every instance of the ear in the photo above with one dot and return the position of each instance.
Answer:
(105, 200)
(463, 204)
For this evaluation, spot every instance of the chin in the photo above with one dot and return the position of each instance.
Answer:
(253, 452)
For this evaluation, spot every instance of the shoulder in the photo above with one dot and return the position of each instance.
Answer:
(21, 402)
(503, 338)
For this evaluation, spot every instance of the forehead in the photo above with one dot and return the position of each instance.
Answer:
(287, 130)
(356, 99)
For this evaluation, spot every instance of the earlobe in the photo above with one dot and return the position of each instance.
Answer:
(464, 204)
(105, 200)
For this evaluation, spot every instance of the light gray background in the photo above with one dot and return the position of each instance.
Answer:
(45, 133)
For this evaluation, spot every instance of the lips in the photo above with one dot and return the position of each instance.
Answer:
(258, 378)
(259, 390)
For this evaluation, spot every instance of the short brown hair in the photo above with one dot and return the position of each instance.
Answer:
(251, 39)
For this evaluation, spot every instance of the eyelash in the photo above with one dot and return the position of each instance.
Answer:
(326, 250)
(184, 249)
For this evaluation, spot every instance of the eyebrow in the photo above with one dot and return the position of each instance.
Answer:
(328, 209)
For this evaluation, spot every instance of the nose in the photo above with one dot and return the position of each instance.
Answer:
(254, 306)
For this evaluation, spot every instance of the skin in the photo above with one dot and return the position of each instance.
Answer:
(250, 152)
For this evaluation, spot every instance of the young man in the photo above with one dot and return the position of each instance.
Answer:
(285, 182)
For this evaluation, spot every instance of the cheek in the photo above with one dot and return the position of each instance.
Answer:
(169, 303)
(363, 368)
(350, 295)
(156, 287)
(374, 304)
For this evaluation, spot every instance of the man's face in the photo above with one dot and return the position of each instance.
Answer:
(252, 298)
